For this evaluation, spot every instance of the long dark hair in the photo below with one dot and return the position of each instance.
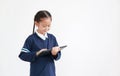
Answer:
(41, 14)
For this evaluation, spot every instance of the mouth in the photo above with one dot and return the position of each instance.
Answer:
(44, 32)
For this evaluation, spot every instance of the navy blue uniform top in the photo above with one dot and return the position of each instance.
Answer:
(40, 65)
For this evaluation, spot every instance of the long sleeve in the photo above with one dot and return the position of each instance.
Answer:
(56, 57)
(26, 53)
(30, 57)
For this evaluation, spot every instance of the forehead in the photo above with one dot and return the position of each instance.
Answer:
(45, 20)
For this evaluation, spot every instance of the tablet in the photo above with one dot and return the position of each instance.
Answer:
(62, 47)
(47, 51)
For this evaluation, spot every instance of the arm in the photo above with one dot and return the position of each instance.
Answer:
(29, 57)
(56, 53)
(26, 53)
(57, 56)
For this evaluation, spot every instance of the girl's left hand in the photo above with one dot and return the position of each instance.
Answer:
(55, 50)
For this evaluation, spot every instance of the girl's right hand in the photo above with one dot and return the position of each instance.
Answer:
(38, 53)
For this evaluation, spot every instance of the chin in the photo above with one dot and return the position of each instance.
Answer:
(44, 32)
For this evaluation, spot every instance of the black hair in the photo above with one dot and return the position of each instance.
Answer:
(39, 15)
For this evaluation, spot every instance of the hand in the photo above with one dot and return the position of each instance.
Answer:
(38, 53)
(55, 50)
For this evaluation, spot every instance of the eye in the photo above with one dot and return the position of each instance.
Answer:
(48, 25)
(44, 26)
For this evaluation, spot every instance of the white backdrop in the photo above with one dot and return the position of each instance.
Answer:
(90, 28)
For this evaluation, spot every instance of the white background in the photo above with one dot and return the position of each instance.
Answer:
(90, 28)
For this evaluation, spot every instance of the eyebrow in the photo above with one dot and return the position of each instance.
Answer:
(46, 25)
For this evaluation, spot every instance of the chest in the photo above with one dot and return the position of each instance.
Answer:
(39, 44)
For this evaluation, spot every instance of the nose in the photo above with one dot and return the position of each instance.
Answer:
(47, 28)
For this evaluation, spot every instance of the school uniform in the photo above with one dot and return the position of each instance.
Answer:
(42, 65)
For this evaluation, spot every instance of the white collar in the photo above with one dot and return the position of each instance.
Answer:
(41, 35)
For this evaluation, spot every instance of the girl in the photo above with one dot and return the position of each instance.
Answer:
(41, 64)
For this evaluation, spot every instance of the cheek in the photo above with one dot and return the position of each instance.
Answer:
(39, 27)
(45, 29)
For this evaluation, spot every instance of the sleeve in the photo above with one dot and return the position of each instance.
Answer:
(56, 57)
(26, 54)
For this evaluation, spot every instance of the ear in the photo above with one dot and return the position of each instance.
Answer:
(36, 23)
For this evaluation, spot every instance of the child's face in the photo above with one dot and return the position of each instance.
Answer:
(43, 25)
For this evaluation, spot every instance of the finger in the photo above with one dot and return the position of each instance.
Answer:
(43, 49)
(59, 49)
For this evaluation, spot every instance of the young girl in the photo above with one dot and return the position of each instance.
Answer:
(41, 64)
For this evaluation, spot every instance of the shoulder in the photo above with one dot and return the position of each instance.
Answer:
(53, 39)
(30, 37)
(51, 35)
